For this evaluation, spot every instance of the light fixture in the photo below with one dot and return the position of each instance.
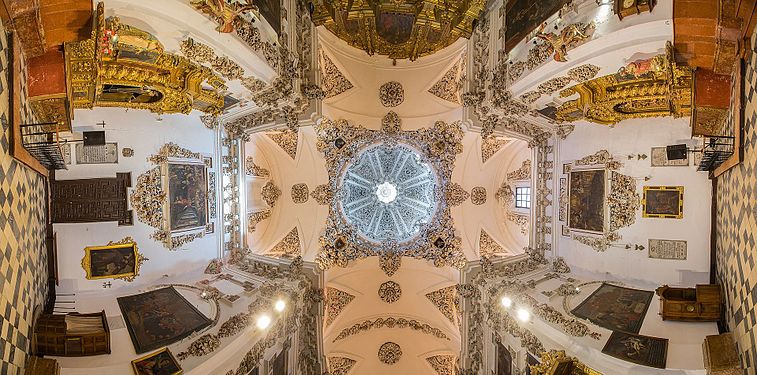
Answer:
(280, 305)
(263, 321)
(507, 302)
(523, 315)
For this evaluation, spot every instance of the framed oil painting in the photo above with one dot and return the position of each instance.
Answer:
(523, 16)
(160, 317)
(586, 200)
(664, 202)
(187, 195)
(120, 260)
(161, 362)
(616, 308)
(639, 349)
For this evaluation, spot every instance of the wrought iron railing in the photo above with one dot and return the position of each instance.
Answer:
(716, 150)
(43, 142)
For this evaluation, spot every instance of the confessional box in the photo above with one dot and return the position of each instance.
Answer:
(700, 304)
(72, 335)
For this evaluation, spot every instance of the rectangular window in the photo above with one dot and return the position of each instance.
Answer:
(523, 197)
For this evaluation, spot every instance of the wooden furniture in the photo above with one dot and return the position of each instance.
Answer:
(72, 335)
(721, 357)
(41, 366)
(625, 8)
(700, 304)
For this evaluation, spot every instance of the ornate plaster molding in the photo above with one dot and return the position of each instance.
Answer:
(578, 74)
(456, 195)
(390, 353)
(391, 322)
(322, 194)
(340, 365)
(287, 140)
(336, 301)
(478, 195)
(521, 174)
(333, 81)
(391, 94)
(254, 218)
(448, 87)
(270, 193)
(521, 220)
(300, 193)
(204, 54)
(490, 146)
(488, 247)
(442, 364)
(390, 262)
(288, 247)
(390, 292)
(253, 169)
(447, 301)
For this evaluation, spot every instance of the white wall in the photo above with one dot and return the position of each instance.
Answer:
(141, 131)
(637, 137)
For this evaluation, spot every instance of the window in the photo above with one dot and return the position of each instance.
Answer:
(523, 197)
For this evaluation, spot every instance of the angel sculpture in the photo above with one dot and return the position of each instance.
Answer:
(223, 13)
(569, 37)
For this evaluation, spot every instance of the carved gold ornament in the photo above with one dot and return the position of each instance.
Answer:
(557, 362)
(655, 87)
(123, 66)
(400, 29)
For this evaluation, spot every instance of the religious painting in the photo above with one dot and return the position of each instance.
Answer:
(586, 200)
(395, 28)
(187, 194)
(616, 308)
(664, 202)
(271, 11)
(504, 360)
(531, 360)
(161, 362)
(113, 261)
(279, 363)
(160, 317)
(638, 349)
(523, 16)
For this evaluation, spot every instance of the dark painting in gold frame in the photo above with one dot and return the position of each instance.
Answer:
(116, 260)
(664, 202)
(161, 362)
(586, 200)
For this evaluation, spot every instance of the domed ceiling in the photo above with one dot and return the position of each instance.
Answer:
(400, 29)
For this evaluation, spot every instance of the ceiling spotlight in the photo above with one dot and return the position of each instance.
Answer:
(280, 305)
(263, 322)
(523, 315)
(507, 302)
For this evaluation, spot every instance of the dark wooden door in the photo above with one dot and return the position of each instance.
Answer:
(92, 200)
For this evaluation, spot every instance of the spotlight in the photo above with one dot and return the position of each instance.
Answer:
(280, 305)
(523, 315)
(263, 321)
(507, 302)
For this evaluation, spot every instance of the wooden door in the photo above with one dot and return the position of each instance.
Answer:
(92, 200)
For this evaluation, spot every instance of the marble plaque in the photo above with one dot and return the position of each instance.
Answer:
(667, 249)
(106, 154)
(660, 159)
(66, 150)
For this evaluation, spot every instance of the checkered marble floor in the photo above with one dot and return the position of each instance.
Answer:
(736, 220)
(23, 257)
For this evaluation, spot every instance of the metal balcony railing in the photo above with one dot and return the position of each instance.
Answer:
(43, 142)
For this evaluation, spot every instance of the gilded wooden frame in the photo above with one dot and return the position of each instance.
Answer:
(86, 262)
(645, 201)
(165, 349)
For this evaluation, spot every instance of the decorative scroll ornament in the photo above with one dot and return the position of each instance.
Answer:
(554, 359)
(448, 87)
(656, 87)
(560, 266)
(336, 301)
(598, 243)
(447, 301)
(437, 146)
(623, 201)
(202, 53)
(171, 149)
(270, 193)
(340, 365)
(391, 322)
(456, 195)
(389, 353)
(488, 247)
(584, 72)
(569, 37)
(254, 218)
(287, 140)
(442, 364)
(333, 81)
(478, 195)
(322, 194)
(391, 94)
(123, 66)
(288, 247)
(520, 220)
(521, 174)
(222, 12)
(253, 169)
(390, 292)
(505, 195)
(391, 123)
(399, 29)
(578, 74)
(490, 146)
(390, 262)
(300, 193)
(148, 198)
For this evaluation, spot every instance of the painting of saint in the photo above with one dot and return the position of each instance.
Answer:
(158, 363)
(187, 192)
(663, 202)
(159, 318)
(113, 261)
(616, 308)
(642, 350)
(586, 202)
(524, 16)
(395, 28)
(129, 94)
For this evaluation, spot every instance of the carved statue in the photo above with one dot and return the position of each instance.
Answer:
(569, 37)
(223, 13)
